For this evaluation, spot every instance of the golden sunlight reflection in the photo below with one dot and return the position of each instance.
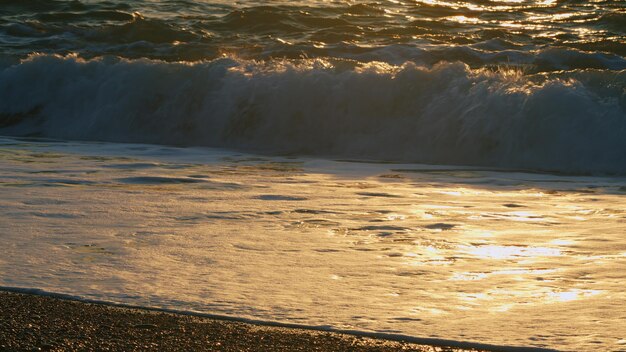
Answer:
(571, 295)
(506, 299)
(464, 19)
(523, 216)
(551, 17)
(518, 216)
(473, 276)
(471, 298)
(433, 311)
(547, 3)
(510, 252)
(510, 1)
(452, 169)
(468, 276)
(462, 191)
(428, 255)
(562, 242)
(424, 246)
(392, 217)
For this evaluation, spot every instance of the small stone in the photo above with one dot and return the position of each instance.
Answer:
(145, 326)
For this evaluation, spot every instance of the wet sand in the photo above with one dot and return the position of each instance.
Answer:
(42, 323)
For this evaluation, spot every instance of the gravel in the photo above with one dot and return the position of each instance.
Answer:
(41, 323)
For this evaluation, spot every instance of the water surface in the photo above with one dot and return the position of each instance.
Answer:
(502, 258)
(519, 84)
(521, 245)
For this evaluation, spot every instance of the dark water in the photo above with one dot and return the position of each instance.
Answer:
(549, 35)
(521, 84)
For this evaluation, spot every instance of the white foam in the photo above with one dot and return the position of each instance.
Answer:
(449, 114)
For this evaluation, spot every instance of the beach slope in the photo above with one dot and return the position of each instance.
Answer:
(33, 322)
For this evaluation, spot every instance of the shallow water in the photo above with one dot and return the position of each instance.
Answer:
(466, 254)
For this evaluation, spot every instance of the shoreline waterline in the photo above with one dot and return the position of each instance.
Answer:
(459, 346)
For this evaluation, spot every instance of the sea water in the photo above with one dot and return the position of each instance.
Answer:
(280, 219)
(454, 253)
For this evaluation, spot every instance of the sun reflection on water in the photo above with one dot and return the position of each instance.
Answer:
(509, 252)
(568, 295)
(421, 251)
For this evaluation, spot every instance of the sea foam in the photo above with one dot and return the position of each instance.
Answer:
(567, 121)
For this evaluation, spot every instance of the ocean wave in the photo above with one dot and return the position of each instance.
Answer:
(191, 31)
(569, 121)
(134, 36)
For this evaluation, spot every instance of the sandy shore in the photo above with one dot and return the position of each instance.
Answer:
(32, 322)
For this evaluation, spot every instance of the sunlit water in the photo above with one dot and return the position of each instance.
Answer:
(461, 254)
(550, 34)
(507, 257)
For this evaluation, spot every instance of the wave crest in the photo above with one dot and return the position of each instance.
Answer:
(571, 121)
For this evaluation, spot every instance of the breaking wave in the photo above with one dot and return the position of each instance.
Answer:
(565, 121)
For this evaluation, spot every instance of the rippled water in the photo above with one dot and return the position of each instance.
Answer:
(549, 35)
(519, 84)
(459, 254)
(491, 254)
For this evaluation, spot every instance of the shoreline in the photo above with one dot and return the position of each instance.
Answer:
(37, 320)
